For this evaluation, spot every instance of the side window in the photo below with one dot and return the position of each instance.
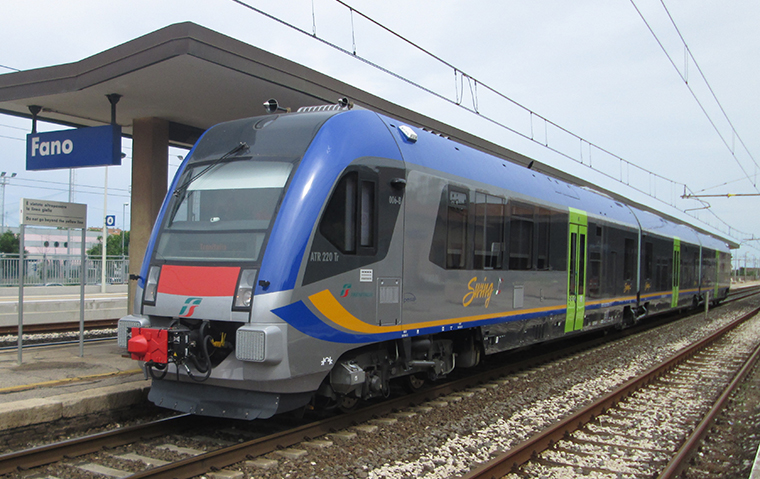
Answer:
(488, 237)
(648, 261)
(456, 244)
(629, 259)
(542, 251)
(349, 221)
(521, 253)
(469, 230)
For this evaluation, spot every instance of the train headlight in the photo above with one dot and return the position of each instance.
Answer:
(244, 290)
(151, 285)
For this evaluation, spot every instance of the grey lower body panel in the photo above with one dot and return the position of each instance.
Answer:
(215, 401)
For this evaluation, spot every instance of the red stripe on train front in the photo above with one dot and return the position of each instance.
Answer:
(198, 280)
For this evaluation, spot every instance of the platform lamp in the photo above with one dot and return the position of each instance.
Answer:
(4, 181)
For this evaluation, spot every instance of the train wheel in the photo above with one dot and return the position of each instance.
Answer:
(414, 382)
(347, 403)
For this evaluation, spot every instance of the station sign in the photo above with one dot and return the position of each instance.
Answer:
(53, 213)
(80, 147)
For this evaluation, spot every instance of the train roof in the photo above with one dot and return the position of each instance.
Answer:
(440, 153)
(436, 152)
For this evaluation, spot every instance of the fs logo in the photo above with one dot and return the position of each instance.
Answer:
(189, 307)
(346, 290)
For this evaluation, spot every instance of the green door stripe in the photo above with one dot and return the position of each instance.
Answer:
(576, 269)
(676, 276)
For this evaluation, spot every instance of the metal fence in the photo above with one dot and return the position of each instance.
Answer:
(41, 270)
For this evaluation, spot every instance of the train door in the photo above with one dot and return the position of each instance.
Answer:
(676, 272)
(576, 271)
(388, 272)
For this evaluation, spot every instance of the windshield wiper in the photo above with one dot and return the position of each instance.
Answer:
(243, 146)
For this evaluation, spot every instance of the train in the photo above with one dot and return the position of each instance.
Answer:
(316, 258)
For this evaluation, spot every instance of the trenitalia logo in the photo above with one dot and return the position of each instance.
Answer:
(189, 307)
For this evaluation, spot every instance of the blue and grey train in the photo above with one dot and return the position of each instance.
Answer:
(315, 257)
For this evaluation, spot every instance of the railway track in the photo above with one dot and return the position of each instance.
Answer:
(629, 431)
(198, 461)
(60, 327)
(217, 444)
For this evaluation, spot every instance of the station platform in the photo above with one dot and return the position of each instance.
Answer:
(53, 383)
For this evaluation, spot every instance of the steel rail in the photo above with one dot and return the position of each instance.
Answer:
(60, 327)
(522, 453)
(680, 461)
(57, 343)
(225, 456)
(220, 458)
(42, 455)
(48, 454)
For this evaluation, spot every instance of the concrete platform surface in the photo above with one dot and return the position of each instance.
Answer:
(54, 382)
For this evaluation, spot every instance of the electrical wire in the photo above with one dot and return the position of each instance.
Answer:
(694, 95)
(473, 81)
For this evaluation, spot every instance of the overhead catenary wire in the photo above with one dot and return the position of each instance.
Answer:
(625, 165)
(684, 78)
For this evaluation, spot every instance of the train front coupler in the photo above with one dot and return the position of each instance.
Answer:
(185, 347)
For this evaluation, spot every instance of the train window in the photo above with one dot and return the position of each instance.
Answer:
(224, 214)
(594, 270)
(338, 222)
(367, 219)
(558, 241)
(489, 231)
(582, 264)
(521, 237)
(542, 251)
(629, 259)
(449, 248)
(349, 219)
(573, 263)
(648, 261)
(456, 241)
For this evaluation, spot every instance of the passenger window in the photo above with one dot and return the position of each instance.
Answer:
(349, 219)
(629, 260)
(456, 245)
(542, 251)
(521, 237)
(489, 231)
(648, 261)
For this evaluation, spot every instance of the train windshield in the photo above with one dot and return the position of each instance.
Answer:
(224, 214)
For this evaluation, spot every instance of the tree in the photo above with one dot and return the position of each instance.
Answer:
(9, 242)
(113, 246)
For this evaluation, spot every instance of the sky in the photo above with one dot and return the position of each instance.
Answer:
(592, 68)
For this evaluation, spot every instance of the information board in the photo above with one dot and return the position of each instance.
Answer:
(53, 213)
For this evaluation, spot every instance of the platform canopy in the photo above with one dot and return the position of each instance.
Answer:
(193, 78)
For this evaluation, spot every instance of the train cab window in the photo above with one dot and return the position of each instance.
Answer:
(521, 237)
(349, 219)
(489, 231)
(366, 220)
